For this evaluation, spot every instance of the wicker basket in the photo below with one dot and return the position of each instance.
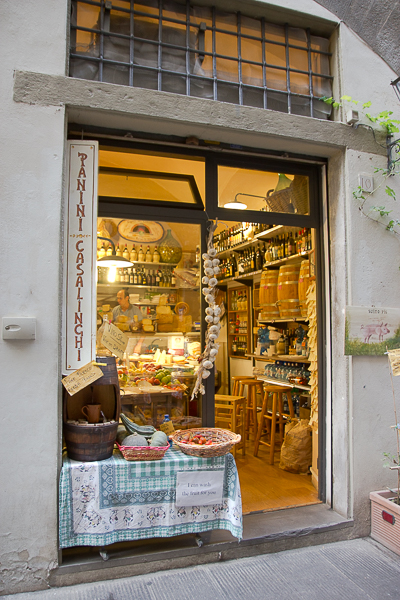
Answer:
(299, 191)
(143, 452)
(280, 201)
(223, 440)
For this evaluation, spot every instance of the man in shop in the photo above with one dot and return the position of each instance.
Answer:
(125, 308)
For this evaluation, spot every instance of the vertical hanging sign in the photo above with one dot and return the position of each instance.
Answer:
(79, 314)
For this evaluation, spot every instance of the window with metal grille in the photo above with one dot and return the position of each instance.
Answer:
(200, 51)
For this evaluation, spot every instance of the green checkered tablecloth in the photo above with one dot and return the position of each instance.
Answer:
(117, 500)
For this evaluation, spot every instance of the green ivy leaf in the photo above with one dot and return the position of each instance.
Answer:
(390, 192)
(367, 104)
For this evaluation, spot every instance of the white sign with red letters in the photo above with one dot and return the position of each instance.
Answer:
(79, 314)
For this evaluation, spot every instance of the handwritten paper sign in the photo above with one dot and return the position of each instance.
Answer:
(198, 488)
(83, 377)
(394, 357)
(114, 340)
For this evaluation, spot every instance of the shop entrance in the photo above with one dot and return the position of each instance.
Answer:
(153, 208)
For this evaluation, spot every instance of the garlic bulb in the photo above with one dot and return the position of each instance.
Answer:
(212, 252)
(205, 374)
(215, 262)
(206, 291)
(209, 311)
(206, 256)
(212, 282)
(213, 336)
(213, 352)
(210, 271)
(208, 263)
(205, 280)
(215, 270)
(209, 319)
(207, 364)
(214, 329)
(210, 298)
(217, 311)
(215, 319)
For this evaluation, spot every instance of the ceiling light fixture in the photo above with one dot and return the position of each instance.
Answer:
(236, 204)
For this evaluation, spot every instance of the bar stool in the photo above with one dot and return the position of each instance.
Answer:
(251, 406)
(231, 411)
(269, 421)
(236, 379)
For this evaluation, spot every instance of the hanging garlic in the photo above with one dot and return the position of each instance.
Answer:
(208, 263)
(207, 364)
(206, 256)
(215, 262)
(213, 352)
(212, 282)
(210, 271)
(205, 280)
(215, 320)
(213, 336)
(212, 252)
(209, 319)
(217, 311)
(209, 311)
(205, 374)
(210, 298)
(214, 329)
(215, 270)
(206, 291)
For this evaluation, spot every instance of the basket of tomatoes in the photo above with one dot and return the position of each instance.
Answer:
(206, 441)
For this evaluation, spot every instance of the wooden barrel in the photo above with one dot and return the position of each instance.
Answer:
(288, 291)
(304, 281)
(269, 294)
(86, 442)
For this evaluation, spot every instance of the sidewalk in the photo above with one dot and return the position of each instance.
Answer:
(355, 569)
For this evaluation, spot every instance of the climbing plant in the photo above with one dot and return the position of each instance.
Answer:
(384, 122)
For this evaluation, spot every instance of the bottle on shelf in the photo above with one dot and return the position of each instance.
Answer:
(125, 253)
(148, 256)
(133, 254)
(173, 279)
(109, 250)
(102, 251)
(141, 255)
(118, 251)
(156, 255)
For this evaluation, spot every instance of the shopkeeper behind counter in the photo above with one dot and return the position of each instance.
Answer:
(125, 308)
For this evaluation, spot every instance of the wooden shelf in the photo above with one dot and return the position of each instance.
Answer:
(284, 383)
(103, 287)
(282, 357)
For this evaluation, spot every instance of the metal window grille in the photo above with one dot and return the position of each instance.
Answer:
(202, 52)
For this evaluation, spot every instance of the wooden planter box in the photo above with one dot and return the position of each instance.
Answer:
(385, 520)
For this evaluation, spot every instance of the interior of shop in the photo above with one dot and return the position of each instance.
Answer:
(266, 378)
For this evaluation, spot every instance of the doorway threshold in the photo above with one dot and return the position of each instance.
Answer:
(263, 532)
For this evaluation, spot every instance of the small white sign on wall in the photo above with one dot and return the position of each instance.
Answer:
(370, 330)
(79, 309)
(199, 488)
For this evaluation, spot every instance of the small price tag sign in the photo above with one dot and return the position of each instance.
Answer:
(81, 378)
(114, 340)
(167, 427)
(394, 357)
(199, 488)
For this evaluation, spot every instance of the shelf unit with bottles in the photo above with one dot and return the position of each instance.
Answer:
(239, 322)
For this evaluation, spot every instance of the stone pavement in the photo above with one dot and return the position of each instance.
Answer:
(356, 569)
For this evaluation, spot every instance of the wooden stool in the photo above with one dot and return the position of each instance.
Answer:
(251, 406)
(231, 411)
(269, 421)
(236, 379)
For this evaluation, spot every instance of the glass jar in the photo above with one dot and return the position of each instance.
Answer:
(170, 249)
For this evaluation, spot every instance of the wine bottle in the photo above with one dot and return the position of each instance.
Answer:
(140, 254)
(149, 256)
(133, 254)
(125, 253)
(156, 255)
(118, 251)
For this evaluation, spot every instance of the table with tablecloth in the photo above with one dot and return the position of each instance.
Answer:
(117, 500)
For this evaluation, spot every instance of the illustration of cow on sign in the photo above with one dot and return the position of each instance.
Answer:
(378, 330)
